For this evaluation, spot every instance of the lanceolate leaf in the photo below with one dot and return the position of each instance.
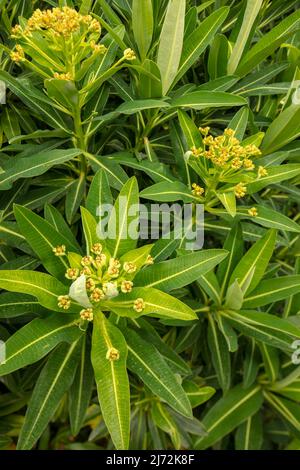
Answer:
(34, 165)
(45, 288)
(257, 259)
(43, 239)
(208, 99)
(156, 303)
(36, 339)
(145, 361)
(54, 381)
(124, 220)
(181, 271)
(171, 41)
(272, 290)
(109, 356)
(199, 39)
(230, 411)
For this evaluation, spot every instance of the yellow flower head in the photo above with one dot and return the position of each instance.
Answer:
(72, 273)
(253, 212)
(262, 171)
(139, 305)
(197, 190)
(240, 190)
(129, 267)
(126, 286)
(59, 250)
(97, 295)
(18, 55)
(64, 302)
(87, 314)
(113, 354)
(129, 54)
(97, 248)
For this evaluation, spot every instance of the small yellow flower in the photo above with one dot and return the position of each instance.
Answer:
(97, 248)
(149, 260)
(253, 212)
(229, 132)
(262, 171)
(240, 190)
(114, 263)
(197, 190)
(72, 273)
(129, 267)
(86, 261)
(113, 272)
(139, 305)
(129, 54)
(97, 295)
(87, 314)
(126, 286)
(90, 284)
(62, 76)
(196, 151)
(64, 302)
(112, 354)
(248, 164)
(236, 163)
(98, 48)
(204, 130)
(86, 271)
(59, 250)
(99, 261)
(18, 55)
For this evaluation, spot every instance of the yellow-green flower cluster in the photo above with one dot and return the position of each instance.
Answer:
(225, 151)
(106, 277)
(58, 21)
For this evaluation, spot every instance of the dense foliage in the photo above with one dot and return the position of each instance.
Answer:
(149, 101)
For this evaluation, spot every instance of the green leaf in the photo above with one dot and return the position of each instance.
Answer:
(38, 164)
(199, 39)
(276, 174)
(14, 305)
(109, 356)
(251, 12)
(81, 389)
(36, 339)
(208, 99)
(55, 379)
(89, 226)
(74, 197)
(219, 354)
(133, 107)
(99, 193)
(55, 218)
(229, 202)
(268, 43)
(156, 303)
(197, 395)
(239, 123)
(273, 290)
(142, 25)
(35, 100)
(256, 258)
(145, 361)
(190, 130)
(288, 410)
(171, 42)
(124, 220)
(264, 327)
(43, 238)
(228, 413)
(234, 245)
(179, 272)
(282, 130)
(169, 192)
(249, 435)
(42, 286)
(272, 219)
